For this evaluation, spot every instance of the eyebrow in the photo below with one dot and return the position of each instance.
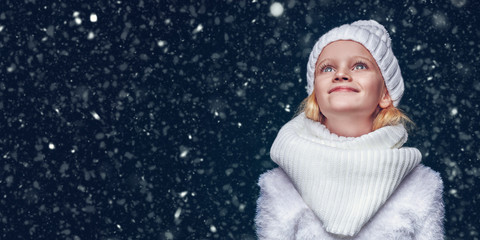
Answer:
(332, 60)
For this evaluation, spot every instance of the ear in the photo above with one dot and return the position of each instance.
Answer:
(386, 100)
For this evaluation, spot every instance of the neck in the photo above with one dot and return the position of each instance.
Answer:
(349, 126)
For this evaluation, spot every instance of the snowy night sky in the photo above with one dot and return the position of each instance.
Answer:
(154, 119)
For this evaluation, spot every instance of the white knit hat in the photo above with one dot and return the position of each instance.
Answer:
(374, 37)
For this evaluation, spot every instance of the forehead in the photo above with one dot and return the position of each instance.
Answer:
(345, 48)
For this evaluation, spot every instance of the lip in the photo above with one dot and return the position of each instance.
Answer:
(343, 89)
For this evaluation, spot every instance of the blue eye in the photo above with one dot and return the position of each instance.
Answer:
(360, 66)
(327, 69)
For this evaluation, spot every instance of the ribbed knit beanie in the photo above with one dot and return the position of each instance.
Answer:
(374, 37)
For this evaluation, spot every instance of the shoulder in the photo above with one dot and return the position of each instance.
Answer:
(421, 190)
(416, 201)
(275, 180)
(277, 192)
(281, 211)
(423, 185)
(428, 175)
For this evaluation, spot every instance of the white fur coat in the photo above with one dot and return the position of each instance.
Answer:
(414, 211)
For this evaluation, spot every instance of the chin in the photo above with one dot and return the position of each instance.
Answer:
(344, 109)
(345, 106)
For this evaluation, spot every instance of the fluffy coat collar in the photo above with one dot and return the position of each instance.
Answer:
(414, 211)
(344, 181)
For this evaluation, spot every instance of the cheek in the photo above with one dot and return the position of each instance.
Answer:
(320, 83)
(318, 86)
(376, 89)
(376, 86)
(320, 98)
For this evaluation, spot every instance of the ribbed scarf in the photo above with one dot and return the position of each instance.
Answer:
(344, 180)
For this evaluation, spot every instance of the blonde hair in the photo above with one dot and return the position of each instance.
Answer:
(389, 116)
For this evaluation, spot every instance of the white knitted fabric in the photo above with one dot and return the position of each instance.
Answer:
(414, 211)
(344, 180)
(375, 38)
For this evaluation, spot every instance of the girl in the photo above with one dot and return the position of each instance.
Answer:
(343, 173)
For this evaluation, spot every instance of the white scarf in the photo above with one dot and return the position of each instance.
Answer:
(344, 180)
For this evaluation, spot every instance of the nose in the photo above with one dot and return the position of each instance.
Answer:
(342, 76)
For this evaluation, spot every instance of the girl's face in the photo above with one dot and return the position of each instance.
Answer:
(348, 80)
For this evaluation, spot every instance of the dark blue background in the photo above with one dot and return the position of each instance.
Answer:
(159, 126)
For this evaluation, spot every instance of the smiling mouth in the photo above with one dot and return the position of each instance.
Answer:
(343, 89)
